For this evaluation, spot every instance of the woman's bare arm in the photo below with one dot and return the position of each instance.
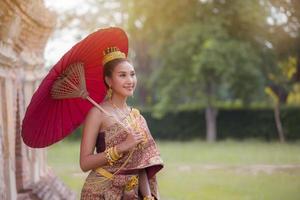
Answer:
(89, 160)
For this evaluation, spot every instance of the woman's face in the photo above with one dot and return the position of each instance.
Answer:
(123, 80)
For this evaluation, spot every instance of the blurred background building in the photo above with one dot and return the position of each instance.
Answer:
(25, 27)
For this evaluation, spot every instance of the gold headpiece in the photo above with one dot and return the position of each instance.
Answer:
(112, 53)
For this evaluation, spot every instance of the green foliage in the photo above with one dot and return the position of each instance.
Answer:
(204, 50)
(205, 53)
(183, 49)
(232, 123)
(284, 73)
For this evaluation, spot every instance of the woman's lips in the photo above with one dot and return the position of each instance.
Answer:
(129, 88)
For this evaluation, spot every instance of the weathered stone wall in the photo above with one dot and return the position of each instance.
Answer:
(25, 26)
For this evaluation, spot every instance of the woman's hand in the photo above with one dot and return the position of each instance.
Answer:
(132, 140)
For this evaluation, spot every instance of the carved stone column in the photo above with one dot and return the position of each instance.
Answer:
(25, 26)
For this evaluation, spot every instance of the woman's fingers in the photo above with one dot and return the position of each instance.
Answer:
(139, 137)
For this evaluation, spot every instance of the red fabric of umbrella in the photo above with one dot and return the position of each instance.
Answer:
(49, 120)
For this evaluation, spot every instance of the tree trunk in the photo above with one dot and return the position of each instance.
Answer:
(278, 122)
(210, 112)
(211, 123)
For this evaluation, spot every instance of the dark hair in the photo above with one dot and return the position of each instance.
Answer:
(110, 66)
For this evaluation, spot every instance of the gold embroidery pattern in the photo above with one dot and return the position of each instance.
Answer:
(141, 158)
(108, 190)
(132, 183)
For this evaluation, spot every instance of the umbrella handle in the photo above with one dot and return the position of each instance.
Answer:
(97, 105)
(104, 111)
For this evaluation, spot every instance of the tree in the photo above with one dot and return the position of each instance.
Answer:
(284, 74)
(205, 51)
(286, 42)
(278, 91)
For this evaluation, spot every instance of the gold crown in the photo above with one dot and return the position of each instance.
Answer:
(112, 53)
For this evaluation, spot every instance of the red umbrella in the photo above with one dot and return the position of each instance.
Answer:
(49, 120)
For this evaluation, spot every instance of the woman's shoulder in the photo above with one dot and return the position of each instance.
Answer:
(94, 116)
(97, 112)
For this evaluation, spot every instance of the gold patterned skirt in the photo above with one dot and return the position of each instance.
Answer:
(122, 187)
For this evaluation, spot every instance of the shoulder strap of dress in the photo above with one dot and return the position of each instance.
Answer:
(135, 112)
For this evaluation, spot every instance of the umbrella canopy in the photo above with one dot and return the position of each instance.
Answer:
(49, 120)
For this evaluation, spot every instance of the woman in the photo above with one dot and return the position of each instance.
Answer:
(126, 158)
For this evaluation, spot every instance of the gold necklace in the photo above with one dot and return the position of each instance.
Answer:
(118, 109)
(125, 115)
(132, 122)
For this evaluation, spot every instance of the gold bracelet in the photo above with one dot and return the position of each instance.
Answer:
(112, 154)
(115, 155)
(148, 198)
(119, 155)
(108, 156)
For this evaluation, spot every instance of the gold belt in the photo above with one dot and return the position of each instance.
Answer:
(104, 173)
(131, 183)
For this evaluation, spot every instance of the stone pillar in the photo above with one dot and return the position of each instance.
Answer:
(3, 150)
(7, 119)
(25, 26)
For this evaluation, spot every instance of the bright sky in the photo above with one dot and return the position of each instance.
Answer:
(59, 44)
(63, 5)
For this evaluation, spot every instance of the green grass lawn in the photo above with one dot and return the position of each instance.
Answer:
(227, 170)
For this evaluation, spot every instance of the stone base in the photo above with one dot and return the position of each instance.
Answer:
(48, 188)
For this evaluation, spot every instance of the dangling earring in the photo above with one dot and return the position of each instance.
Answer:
(109, 92)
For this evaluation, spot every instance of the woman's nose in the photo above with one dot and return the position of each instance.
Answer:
(129, 79)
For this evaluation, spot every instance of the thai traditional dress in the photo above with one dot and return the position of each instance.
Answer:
(124, 185)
